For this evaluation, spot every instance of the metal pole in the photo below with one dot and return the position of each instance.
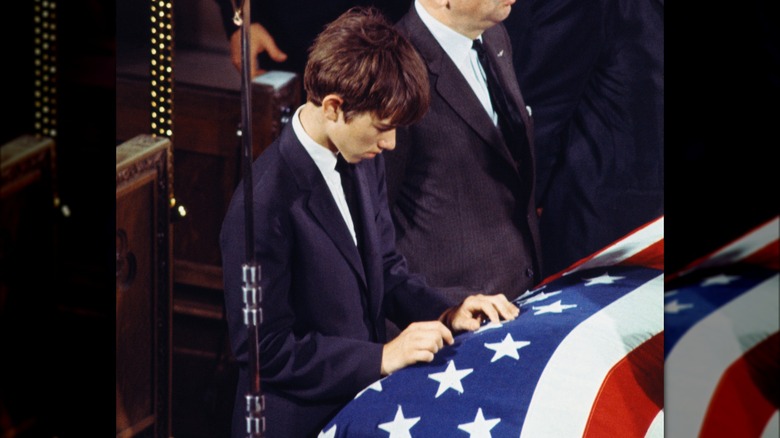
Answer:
(253, 294)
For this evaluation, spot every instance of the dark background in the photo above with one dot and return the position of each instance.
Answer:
(57, 318)
(722, 116)
(723, 79)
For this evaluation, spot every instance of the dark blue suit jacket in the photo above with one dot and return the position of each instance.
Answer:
(594, 74)
(321, 338)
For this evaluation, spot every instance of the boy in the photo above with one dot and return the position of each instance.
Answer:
(330, 271)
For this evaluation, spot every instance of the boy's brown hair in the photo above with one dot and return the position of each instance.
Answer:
(370, 65)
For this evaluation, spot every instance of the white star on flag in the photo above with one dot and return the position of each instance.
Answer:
(542, 296)
(528, 293)
(399, 427)
(507, 347)
(331, 433)
(674, 307)
(718, 279)
(602, 279)
(555, 307)
(376, 386)
(450, 378)
(479, 428)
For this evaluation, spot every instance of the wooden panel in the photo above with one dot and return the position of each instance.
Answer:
(30, 289)
(143, 287)
(206, 117)
(25, 160)
(207, 151)
(28, 195)
(28, 231)
(133, 101)
(208, 164)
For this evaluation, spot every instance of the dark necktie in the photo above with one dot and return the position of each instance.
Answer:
(349, 185)
(509, 120)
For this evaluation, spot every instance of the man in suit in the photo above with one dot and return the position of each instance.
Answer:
(330, 270)
(461, 186)
(594, 74)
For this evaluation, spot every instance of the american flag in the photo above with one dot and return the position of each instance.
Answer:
(722, 352)
(584, 358)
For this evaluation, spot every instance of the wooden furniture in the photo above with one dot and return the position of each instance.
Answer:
(28, 195)
(143, 287)
(207, 151)
(206, 118)
(26, 160)
(30, 289)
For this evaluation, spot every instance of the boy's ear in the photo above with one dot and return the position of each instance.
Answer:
(331, 105)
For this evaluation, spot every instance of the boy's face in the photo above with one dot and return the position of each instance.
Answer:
(363, 137)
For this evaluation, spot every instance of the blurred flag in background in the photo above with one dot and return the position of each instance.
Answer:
(722, 349)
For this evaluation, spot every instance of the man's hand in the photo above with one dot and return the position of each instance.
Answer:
(417, 343)
(474, 309)
(259, 41)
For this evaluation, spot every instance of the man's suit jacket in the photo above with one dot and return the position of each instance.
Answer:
(594, 74)
(321, 338)
(463, 209)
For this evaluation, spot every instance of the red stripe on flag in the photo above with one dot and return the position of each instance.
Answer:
(631, 395)
(768, 256)
(746, 396)
(651, 257)
(608, 255)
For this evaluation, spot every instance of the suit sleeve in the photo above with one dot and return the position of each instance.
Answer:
(303, 364)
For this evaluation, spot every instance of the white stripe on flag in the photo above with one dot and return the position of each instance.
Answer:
(568, 386)
(772, 429)
(631, 245)
(695, 365)
(656, 429)
(741, 248)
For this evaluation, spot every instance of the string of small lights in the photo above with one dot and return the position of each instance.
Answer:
(162, 68)
(45, 69)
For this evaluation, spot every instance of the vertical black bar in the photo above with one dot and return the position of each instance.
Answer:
(246, 132)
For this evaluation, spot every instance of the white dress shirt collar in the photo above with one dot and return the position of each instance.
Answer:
(458, 47)
(325, 160)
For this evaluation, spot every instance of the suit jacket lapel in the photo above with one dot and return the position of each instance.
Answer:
(449, 83)
(320, 202)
